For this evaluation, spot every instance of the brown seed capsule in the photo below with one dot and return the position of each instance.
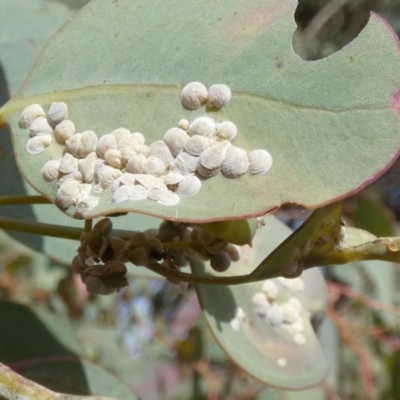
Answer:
(29, 114)
(220, 262)
(58, 111)
(194, 95)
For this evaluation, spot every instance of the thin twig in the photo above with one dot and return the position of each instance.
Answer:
(22, 200)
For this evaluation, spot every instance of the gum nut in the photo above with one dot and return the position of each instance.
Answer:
(139, 137)
(260, 161)
(50, 170)
(219, 96)
(145, 150)
(68, 164)
(183, 124)
(172, 178)
(220, 262)
(137, 192)
(37, 144)
(104, 226)
(194, 95)
(40, 126)
(214, 156)
(95, 285)
(107, 175)
(121, 194)
(139, 257)
(195, 145)
(105, 142)
(270, 289)
(275, 315)
(236, 163)
(113, 157)
(290, 314)
(121, 133)
(186, 163)
(293, 269)
(169, 198)
(203, 126)
(58, 112)
(161, 150)
(135, 164)
(29, 114)
(85, 205)
(87, 144)
(226, 130)
(68, 194)
(86, 167)
(175, 139)
(234, 252)
(154, 166)
(72, 144)
(206, 238)
(189, 186)
(64, 130)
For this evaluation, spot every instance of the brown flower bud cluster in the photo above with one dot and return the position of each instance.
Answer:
(102, 255)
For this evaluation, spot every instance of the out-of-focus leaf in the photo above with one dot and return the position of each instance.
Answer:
(257, 347)
(74, 376)
(28, 333)
(373, 217)
(150, 59)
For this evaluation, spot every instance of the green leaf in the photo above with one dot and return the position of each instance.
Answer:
(238, 232)
(127, 66)
(28, 333)
(75, 376)
(267, 353)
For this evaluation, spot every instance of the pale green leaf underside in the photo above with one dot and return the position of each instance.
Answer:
(257, 347)
(329, 125)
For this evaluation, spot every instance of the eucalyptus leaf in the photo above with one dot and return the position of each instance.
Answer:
(267, 353)
(312, 116)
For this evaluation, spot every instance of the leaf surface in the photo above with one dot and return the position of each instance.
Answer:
(267, 353)
(312, 116)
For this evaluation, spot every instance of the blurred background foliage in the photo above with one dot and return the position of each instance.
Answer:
(149, 338)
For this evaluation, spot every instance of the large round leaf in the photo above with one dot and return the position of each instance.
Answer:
(123, 63)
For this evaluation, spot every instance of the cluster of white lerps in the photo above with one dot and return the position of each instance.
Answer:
(287, 316)
(121, 161)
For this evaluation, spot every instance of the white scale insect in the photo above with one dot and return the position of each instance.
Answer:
(201, 146)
